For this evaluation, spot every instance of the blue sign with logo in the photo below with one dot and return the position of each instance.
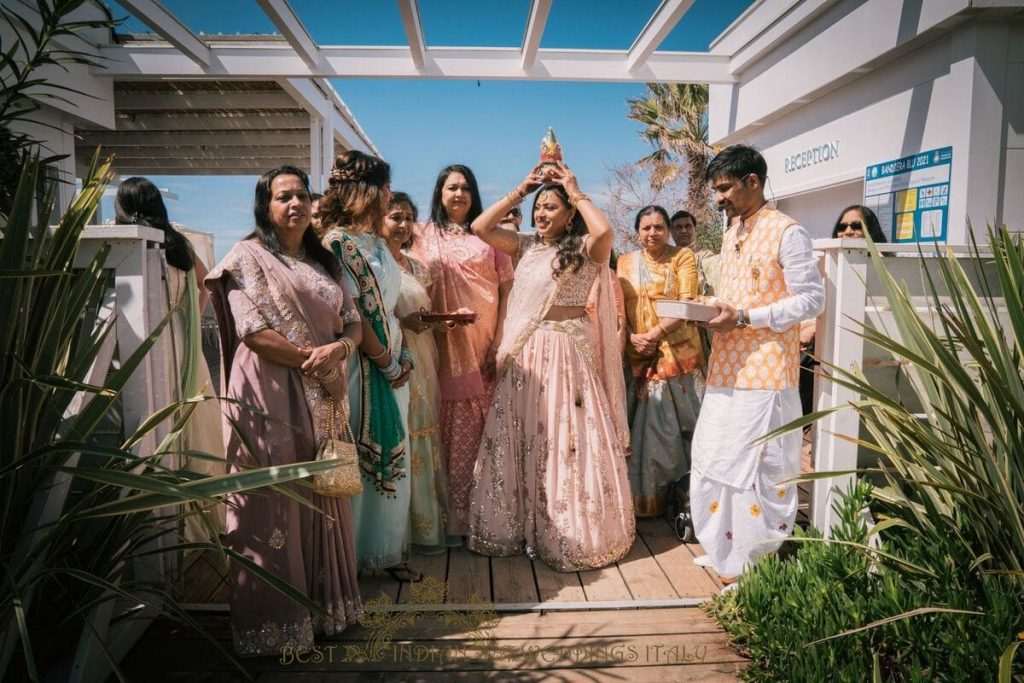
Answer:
(911, 195)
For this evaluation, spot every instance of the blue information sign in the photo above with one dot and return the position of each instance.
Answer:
(911, 195)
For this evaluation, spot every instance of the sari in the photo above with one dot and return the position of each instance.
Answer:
(427, 515)
(200, 440)
(379, 412)
(550, 478)
(277, 416)
(665, 391)
(465, 273)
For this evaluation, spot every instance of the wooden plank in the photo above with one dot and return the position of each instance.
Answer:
(434, 567)
(605, 584)
(513, 580)
(676, 560)
(205, 577)
(568, 626)
(643, 575)
(573, 625)
(435, 564)
(374, 583)
(558, 586)
(623, 652)
(721, 672)
(469, 576)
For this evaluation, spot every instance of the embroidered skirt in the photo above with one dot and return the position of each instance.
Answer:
(550, 478)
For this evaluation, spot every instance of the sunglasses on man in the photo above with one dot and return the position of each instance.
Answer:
(514, 213)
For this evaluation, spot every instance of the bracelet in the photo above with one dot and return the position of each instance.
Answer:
(330, 376)
(393, 371)
(577, 198)
(515, 197)
(406, 357)
(379, 355)
(348, 345)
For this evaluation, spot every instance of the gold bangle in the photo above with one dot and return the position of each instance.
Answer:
(348, 345)
(515, 197)
(577, 198)
(330, 376)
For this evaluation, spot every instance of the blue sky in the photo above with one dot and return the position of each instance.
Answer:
(422, 125)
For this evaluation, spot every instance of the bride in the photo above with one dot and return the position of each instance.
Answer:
(550, 477)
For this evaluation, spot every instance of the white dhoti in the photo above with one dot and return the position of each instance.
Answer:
(740, 508)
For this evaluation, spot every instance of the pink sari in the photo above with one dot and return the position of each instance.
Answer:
(465, 273)
(285, 416)
(550, 478)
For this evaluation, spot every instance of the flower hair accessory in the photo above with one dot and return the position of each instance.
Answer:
(343, 174)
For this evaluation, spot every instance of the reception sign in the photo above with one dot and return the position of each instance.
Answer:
(911, 195)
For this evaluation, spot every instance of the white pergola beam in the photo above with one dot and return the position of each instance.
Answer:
(410, 12)
(170, 28)
(278, 60)
(292, 28)
(306, 95)
(661, 23)
(344, 124)
(539, 10)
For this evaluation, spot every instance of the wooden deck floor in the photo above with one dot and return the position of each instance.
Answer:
(475, 617)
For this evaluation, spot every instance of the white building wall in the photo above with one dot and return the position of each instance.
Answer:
(961, 85)
(818, 211)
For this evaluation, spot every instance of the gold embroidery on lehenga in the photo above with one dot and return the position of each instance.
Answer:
(271, 637)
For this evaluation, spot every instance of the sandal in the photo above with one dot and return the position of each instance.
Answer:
(404, 574)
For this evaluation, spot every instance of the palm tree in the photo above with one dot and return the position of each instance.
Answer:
(674, 116)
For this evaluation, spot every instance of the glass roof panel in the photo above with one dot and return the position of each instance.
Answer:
(704, 22)
(351, 22)
(128, 24)
(457, 23)
(596, 24)
(223, 17)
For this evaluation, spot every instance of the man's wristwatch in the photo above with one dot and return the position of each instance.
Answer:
(741, 319)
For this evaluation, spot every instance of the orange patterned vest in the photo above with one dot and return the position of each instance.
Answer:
(751, 277)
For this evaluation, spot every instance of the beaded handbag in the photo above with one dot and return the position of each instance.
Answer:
(344, 479)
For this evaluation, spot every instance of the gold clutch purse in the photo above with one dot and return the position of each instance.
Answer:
(344, 479)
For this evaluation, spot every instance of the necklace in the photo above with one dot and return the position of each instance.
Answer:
(299, 255)
(653, 263)
(455, 229)
(403, 262)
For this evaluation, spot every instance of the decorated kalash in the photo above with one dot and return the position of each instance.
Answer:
(550, 154)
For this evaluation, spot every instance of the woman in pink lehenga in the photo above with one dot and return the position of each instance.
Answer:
(550, 477)
(466, 275)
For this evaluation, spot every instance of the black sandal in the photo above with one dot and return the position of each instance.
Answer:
(404, 574)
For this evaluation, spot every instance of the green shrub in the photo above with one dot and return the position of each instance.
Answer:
(786, 611)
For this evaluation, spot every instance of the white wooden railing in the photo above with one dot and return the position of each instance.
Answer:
(854, 297)
(136, 303)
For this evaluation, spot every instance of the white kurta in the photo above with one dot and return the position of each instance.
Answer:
(739, 509)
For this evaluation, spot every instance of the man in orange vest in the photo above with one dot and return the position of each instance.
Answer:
(769, 282)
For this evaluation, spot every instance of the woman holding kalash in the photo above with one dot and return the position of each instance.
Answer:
(550, 477)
